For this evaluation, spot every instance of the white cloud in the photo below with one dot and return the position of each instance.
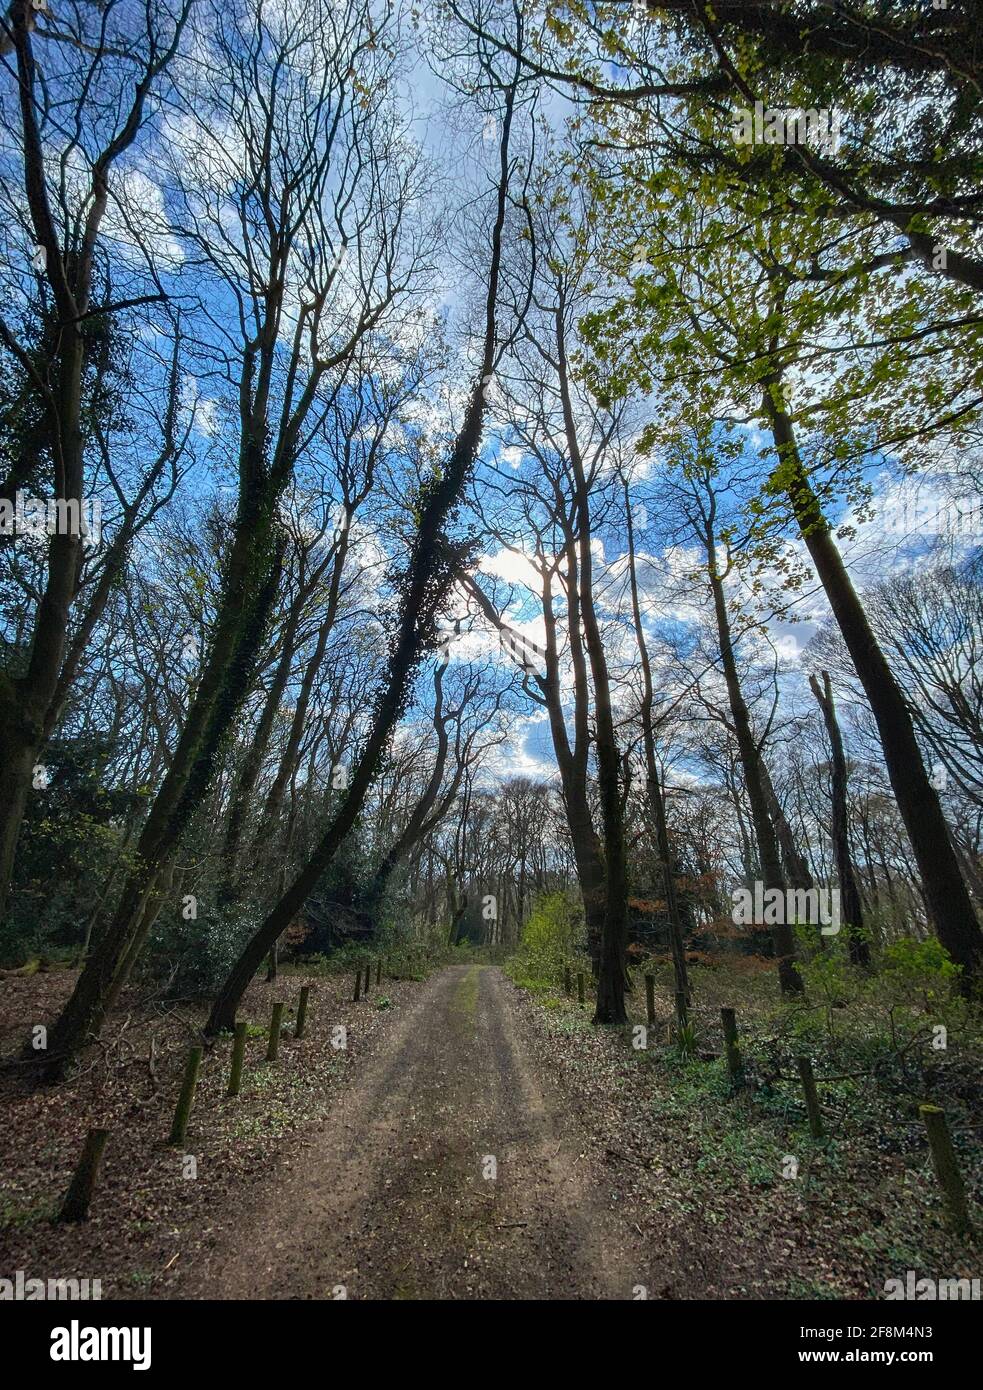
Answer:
(512, 566)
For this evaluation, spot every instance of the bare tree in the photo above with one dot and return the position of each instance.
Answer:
(423, 592)
(851, 910)
(74, 124)
(314, 163)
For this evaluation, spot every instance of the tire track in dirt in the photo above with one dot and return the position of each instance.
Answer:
(393, 1198)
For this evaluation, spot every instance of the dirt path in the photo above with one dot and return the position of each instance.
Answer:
(396, 1198)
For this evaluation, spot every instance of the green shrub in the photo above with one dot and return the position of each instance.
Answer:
(917, 971)
(554, 935)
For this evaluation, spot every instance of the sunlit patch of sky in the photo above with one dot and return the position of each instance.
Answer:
(908, 515)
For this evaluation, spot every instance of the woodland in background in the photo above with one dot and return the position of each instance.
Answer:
(458, 527)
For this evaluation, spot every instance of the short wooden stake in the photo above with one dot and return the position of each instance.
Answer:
(238, 1057)
(305, 991)
(650, 999)
(735, 1067)
(567, 981)
(378, 972)
(812, 1097)
(273, 1046)
(368, 978)
(76, 1204)
(187, 1097)
(358, 984)
(946, 1166)
(580, 986)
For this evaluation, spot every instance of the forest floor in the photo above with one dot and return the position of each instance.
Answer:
(470, 1141)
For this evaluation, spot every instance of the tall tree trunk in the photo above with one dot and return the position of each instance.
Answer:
(423, 818)
(249, 590)
(851, 910)
(793, 860)
(748, 852)
(428, 580)
(274, 797)
(288, 763)
(253, 762)
(26, 703)
(949, 905)
(571, 761)
(612, 977)
(772, 874)
(653, 782)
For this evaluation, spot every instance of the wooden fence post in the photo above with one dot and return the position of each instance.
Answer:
(946, 1166)
(358, 984)
(238, 1055)
(186, 1099)
(273, 1046)
(305, 991)
(650, 999)
(580, 986)
(812, 1097)
(76, 1204)
(378, 972)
